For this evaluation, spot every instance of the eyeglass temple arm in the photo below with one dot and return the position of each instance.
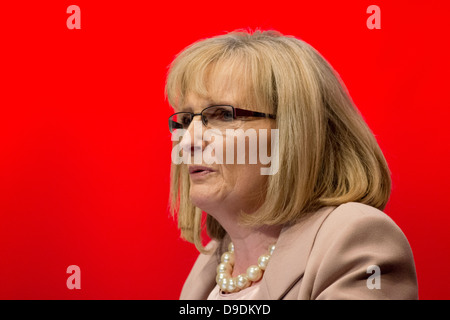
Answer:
(248, 113)
(175, 125)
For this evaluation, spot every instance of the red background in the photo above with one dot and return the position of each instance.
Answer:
(85, 149)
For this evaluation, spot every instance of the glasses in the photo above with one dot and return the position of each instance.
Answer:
(213, 116)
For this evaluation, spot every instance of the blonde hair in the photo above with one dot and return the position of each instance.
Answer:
(328, 155)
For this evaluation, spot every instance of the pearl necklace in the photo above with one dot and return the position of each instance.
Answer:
(229, 284)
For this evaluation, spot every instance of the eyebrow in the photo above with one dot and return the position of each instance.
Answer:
(185, 109)
(208, 103)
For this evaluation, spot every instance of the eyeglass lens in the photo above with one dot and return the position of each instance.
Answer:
(214, 117)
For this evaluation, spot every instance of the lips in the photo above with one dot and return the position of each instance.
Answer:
(197, 170)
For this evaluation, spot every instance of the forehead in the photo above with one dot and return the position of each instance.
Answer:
(195, 103)
(219, 83)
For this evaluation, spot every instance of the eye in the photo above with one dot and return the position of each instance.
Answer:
(227, 115)
(222, 114)
(185, 120)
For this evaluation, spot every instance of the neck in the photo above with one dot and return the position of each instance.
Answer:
(250, 243)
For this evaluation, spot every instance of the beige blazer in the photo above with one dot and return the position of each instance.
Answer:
(328, 256)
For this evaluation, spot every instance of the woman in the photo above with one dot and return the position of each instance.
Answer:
(311, 229)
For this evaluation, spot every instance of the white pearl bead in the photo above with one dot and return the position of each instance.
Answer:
(263, 261)
(242, 281)
(231, 285)
(224, 284)
(220, 277)
(224, 268)
(271, 249)
(228, 257)
(254, 273)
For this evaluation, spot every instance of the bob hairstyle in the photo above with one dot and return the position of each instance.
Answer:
(327, 154)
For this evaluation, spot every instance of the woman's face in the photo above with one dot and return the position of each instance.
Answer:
(225, 186)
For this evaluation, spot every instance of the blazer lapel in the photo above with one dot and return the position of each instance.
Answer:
(286, 267)
(202, 278)
(288, 262)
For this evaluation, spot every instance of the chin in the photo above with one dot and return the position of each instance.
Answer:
(201, 197)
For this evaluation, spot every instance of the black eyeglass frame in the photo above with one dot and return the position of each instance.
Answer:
(237, 112)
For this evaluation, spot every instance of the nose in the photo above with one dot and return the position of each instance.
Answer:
(192, 142)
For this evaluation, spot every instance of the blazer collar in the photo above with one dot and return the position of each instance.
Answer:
(200, 285)
(288, 262)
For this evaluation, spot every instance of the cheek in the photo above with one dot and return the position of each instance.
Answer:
(247, 146)
(243, 179)
(241, 147)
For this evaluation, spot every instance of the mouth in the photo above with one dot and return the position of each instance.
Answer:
(200, 170)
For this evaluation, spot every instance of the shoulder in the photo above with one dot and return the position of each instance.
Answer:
(353, 238)
(348, 220)
(355, 211)
(359, 221)
(356, 227)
